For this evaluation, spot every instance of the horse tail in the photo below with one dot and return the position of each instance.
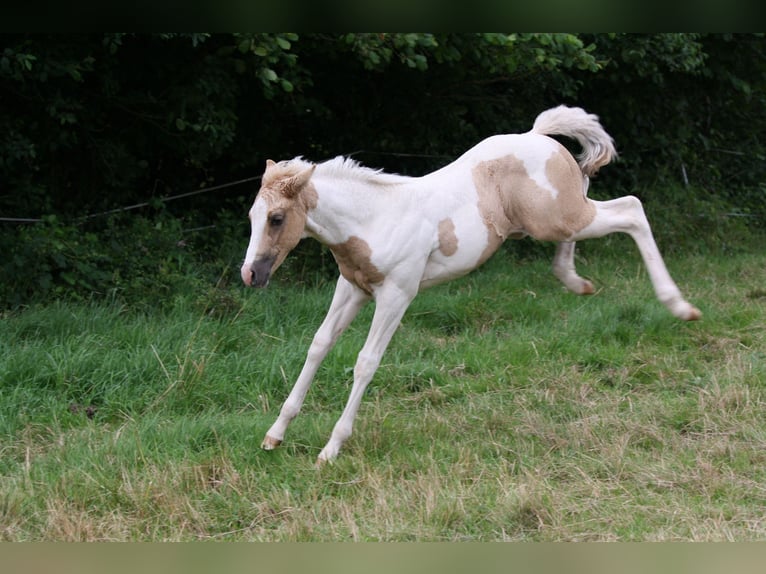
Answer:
(597, 145)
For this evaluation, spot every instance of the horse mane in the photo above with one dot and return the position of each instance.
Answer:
(339, 167)
(342, 167)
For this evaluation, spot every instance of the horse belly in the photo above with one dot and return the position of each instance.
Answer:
(462, 244)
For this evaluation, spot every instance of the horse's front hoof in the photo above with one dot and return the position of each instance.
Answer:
(270, 443)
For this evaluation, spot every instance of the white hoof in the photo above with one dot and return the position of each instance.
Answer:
(328, 454)
(270, 443)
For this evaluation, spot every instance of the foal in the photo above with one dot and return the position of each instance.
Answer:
(392, 236)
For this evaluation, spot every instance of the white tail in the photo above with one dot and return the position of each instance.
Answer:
(597, 145)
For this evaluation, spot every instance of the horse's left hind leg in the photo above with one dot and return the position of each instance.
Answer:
(564, 269)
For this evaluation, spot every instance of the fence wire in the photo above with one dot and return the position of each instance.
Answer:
(137, 205)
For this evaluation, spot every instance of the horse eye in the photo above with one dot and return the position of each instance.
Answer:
(276, 219)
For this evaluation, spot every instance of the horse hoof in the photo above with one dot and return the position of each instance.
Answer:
(323, 461)
(270, 443)
(694, 314)
(587, 288)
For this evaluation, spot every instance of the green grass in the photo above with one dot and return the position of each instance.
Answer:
(504, 409)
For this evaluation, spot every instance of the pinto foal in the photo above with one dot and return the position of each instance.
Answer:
(393, 235)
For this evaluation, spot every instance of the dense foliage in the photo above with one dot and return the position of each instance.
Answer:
(90, 123)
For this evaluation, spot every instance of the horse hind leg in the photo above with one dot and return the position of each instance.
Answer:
(564, 270)
(626, 215)
(563, 261)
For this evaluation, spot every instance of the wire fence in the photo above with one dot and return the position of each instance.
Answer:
(138, 205)
(22, 220)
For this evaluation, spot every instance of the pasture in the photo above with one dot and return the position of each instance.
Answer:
(504, 409)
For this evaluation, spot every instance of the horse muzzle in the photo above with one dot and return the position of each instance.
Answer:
(257, 274)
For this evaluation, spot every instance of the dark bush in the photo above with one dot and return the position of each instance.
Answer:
(94, 122)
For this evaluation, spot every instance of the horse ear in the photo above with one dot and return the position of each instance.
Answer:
(293, 185)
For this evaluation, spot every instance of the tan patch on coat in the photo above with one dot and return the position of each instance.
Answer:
(353, 258)
(512, 204)
(447, 237)
(308, 196)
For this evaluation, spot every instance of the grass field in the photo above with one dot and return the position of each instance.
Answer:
(505, 409)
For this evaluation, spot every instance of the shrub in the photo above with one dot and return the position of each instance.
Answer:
(138, 258)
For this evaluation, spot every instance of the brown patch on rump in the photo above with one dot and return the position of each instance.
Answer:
(512, 204)
(353, 258)
(447, 237)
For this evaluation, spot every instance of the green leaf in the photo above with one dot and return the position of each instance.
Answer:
(269, 74)
(27, 61)
(244, 46)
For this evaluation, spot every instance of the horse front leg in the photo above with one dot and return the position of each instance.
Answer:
(390, 304)
(564, 269)
(346, 303)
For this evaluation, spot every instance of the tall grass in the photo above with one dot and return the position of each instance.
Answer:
(504, 409)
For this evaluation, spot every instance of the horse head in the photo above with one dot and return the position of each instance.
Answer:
(277, 218)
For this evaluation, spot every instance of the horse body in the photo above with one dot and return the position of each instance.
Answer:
(447, 222)
(394, 235)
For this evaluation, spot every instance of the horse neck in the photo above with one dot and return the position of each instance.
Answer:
(346, 205)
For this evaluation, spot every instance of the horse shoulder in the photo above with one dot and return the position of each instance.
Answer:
(354, 259)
